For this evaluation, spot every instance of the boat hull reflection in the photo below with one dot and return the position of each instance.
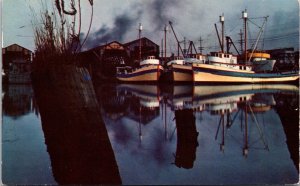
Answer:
(189, 134)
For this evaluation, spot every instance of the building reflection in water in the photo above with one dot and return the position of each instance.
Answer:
(24, 157)
(18, 100)
(240, 120)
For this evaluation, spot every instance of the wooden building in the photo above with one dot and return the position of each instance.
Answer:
(286, 58)
(148, 48)
(16, 64)
(103, 60)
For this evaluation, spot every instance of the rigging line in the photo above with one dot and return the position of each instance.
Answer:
(259, 129)
(257, 17)
(249, 34)
(254, 24)
(233, 28)
(263, 40)
(221, 118)
(277, 37)
(281, 37)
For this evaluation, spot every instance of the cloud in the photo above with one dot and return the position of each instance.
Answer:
(119, 20)
(156, 12)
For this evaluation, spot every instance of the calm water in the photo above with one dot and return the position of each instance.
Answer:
(242, 134)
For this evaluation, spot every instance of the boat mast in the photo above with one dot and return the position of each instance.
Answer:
(200, 48)
(258, 37)
(165, 30)
(222, 23)
(162, 48)
(140, 45)
(241, 40)
(218, 35)
(184, 46)
(245, 15)
(176, 38)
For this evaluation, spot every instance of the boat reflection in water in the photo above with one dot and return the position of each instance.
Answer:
(241, 106)
(201, 134)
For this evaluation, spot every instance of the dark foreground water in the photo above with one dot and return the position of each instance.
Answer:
(241, 134)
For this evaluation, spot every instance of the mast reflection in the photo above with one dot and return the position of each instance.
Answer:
(241, 102)
(235, 123)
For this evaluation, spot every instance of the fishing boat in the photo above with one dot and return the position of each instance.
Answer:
(224, 67)
(179, 69)
(149, 69)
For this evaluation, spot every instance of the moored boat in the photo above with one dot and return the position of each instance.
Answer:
(210, 73)
(179, 69)
(184, 72)
(149, 71)
(256, 68)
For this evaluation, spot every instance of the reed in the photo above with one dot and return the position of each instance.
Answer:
(56, 38)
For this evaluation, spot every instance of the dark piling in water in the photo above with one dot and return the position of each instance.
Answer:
(289, 116)
(186, 138)
(75, 133)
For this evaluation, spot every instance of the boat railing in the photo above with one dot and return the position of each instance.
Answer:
(124, 70)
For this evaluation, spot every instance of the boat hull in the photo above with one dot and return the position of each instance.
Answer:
(149, 73)
(209, 73)
(182, 73)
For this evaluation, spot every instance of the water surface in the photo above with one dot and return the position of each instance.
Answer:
(146, 134)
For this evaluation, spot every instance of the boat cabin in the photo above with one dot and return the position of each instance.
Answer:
(220, 57)
(195, 58)
(150, 60)
(177, 60)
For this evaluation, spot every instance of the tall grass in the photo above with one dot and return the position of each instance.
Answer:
(55, 36)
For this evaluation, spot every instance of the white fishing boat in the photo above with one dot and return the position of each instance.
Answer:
(179, 69)
(224, 68)
(149, 69)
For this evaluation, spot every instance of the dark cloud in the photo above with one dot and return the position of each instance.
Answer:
(122, 24)
(195, 18)
(159, 10)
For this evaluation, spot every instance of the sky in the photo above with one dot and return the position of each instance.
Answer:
(119, 20)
